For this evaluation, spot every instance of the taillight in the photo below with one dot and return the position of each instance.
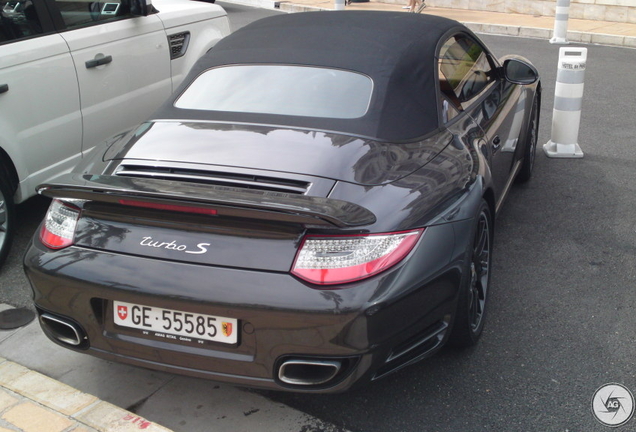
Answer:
(59, 225)
(328, 260)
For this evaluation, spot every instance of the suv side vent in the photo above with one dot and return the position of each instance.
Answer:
(215, 178)
(178, 44)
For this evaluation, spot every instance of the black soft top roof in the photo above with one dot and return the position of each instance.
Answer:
(396, 49)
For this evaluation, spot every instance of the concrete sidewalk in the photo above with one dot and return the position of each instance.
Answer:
(509, 24)
(33, 402)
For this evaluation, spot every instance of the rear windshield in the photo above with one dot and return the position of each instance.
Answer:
(280, 90)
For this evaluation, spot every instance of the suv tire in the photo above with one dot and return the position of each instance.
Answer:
(7, 218)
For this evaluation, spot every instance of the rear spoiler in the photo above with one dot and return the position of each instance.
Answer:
(229, 201)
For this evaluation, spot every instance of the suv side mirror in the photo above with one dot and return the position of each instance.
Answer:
(141, 7)
(519, 72)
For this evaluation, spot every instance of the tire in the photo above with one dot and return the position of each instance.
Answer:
(530, 150)
(471, 306)
(7, 218)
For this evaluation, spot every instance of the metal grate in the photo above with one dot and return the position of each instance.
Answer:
(178, 44)
(215, 178)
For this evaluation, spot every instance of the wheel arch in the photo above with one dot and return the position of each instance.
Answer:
(538, 92)
(489, 197)
(7, 166)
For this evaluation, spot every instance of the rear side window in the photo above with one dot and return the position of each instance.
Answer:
(18, 20)
(280, 90)
(464, 69)
(82, 13)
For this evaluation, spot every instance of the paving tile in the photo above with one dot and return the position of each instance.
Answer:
(107, 417)
(32, 418)
(9, 372)
(624, 29)
(7, 400)
(51, 393)
(82, 428)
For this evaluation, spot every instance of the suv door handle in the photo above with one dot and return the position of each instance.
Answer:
(496, 143)
(4, 88)
(98, 62)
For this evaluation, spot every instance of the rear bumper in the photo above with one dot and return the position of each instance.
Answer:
(372, 328)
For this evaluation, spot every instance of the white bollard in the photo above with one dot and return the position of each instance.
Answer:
(568, 99)
(339, 4)
(561, 17)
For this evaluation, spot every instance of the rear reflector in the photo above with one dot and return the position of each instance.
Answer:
(169, 207)
(328, 260)
(59, 225)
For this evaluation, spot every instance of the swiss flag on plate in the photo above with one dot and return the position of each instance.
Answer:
(122, 312)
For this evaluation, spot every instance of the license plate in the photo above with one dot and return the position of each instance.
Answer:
(175, 325)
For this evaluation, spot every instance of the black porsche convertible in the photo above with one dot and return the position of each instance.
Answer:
(313, 208)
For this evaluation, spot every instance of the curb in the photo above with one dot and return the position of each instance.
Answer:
(543, 33)
(573, 36)
(32, 402)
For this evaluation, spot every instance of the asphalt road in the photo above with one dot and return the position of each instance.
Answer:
(561, 314)
(562, 308)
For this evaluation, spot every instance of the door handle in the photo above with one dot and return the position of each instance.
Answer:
(4, 88)
(496, 143)
(98, 62)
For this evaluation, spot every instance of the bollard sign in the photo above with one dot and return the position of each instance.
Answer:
(568, 99)
(570, 66)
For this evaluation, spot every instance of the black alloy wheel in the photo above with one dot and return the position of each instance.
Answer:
(530, 151)
(7, 218)
(471, 307)
(479, 272)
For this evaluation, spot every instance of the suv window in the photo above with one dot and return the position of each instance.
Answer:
(464, 70)
(18, 20)
(81, 13)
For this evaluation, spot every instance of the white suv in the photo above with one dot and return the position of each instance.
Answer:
(74, 72)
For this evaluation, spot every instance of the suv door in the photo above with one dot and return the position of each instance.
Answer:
(40, 121)
(122, 63)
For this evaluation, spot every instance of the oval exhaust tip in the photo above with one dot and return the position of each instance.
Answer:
(62, 330)
(308, 372)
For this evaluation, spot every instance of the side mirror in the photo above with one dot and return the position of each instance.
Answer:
(141, 7)
(519, 72)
